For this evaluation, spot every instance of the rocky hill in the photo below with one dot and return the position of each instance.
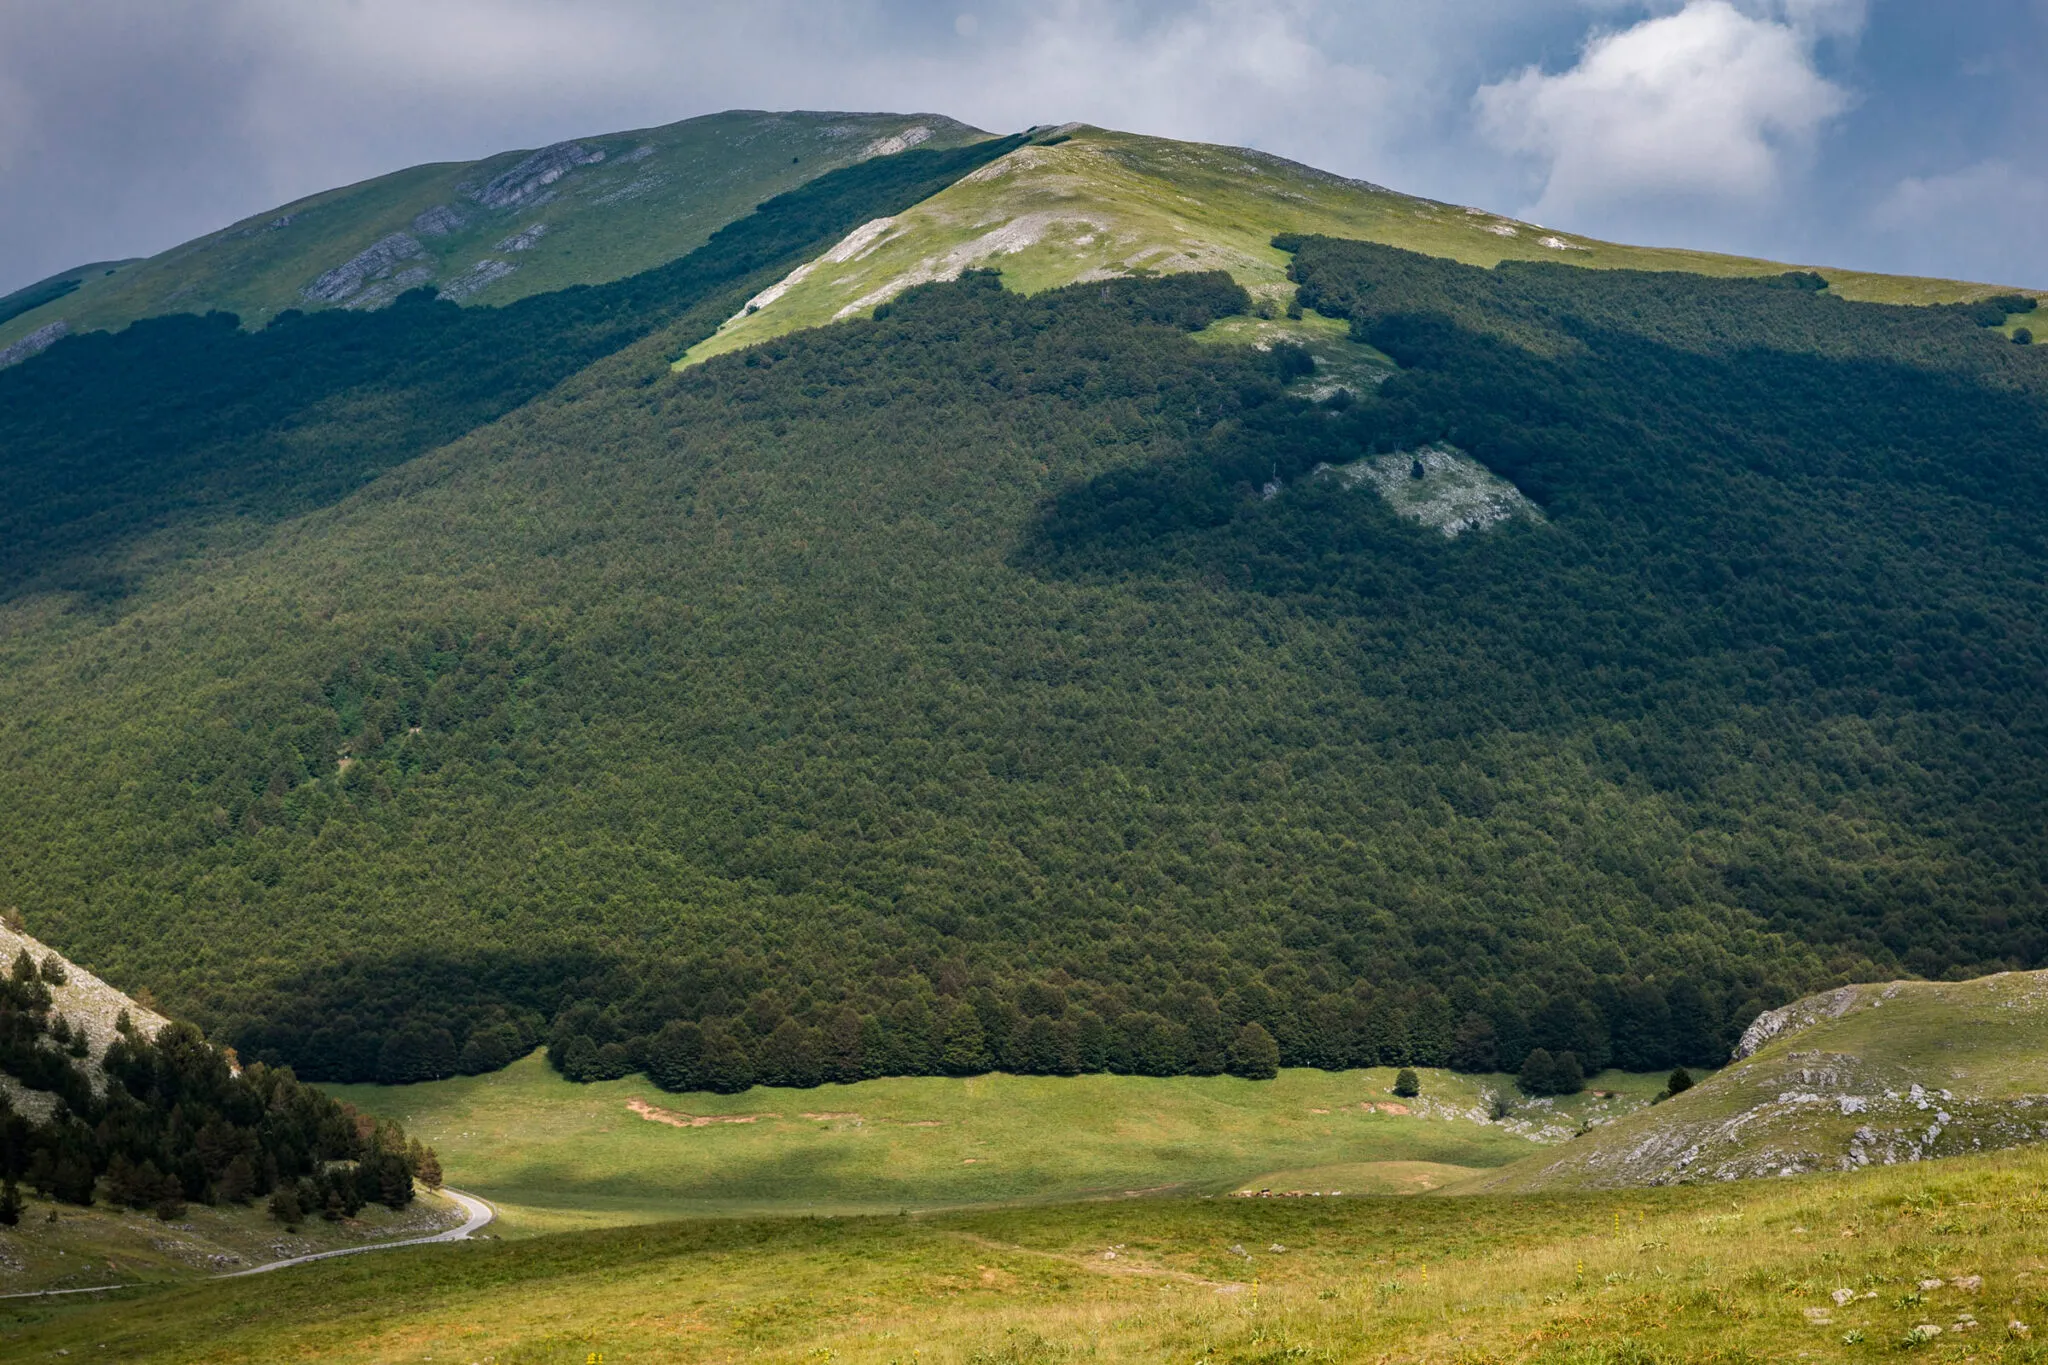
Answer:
(88, 1005)
(1871, 1075)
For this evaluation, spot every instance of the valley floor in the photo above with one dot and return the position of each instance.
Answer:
(553, 1156)
(1944, 1259)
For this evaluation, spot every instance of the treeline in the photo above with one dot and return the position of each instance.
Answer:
(173, 1122)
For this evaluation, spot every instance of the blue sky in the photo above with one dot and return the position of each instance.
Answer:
(1884, 134)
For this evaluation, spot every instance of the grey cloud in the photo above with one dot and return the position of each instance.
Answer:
(127, 126)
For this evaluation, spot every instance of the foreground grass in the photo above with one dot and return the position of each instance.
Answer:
(555, 1156)
(1725, 1273)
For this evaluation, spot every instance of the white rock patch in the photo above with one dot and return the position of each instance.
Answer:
(1454, 492)
(1019, 234)
(902, 142)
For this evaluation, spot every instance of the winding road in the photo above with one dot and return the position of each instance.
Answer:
(478, 1214)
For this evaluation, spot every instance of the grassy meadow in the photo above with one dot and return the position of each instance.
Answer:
(1932, 1260)
(66, 1247)
(552, 1155)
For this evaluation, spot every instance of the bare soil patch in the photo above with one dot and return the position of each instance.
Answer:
(654, 1113)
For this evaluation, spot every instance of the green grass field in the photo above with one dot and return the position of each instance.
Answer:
(1836, 1268)
(553, 1155)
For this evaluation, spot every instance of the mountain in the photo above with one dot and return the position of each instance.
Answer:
(585, 211)
(1353, 655)
(1869, 1075)
(1084, 203)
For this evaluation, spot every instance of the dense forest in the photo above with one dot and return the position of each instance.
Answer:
(158, 1122)
(944, 691)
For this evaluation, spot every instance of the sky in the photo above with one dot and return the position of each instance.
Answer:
(1899, 135)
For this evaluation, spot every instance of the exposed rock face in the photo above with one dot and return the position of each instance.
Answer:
(1439, 486)
(439, 221)
(374, 263)
(89, 1003)
(1800, 1014)
(902, 142)
(36, 342)
(382, 291)
(484, 272)
(523, 239)
(526, 183)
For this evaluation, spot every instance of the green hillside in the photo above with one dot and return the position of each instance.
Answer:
(1084, 203)
(1860, 1076)
(1500, 654)
(1940, 1264)
(585, 211)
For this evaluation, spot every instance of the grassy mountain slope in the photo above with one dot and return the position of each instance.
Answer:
(1084, 203)
(582, 212)
(1862, 1075)
(1943, 1262)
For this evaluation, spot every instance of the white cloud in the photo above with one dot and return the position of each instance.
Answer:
(1706, 103)
(1983, 213)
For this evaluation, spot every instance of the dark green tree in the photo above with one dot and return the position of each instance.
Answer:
(1254, 1055)
(675, 1056)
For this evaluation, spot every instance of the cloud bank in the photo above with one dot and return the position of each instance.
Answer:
(1809, 129)
(1708, 104)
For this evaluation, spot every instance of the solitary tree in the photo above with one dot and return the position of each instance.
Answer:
(1680, 1082)
(1406, 1085)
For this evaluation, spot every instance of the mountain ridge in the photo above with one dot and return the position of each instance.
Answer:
(639, 197)
(503, 227)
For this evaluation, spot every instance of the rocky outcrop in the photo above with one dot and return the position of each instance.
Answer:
(484, 272)
(901, 142)
(377, 262)
(524, 239)
(527, 182)
(438, 221)
(1800, 1014)
(36, 342)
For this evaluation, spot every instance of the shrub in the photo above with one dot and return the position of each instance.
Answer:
(1406, 1084)
(1680, 1082)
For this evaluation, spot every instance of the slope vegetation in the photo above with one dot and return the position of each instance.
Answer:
(999, 683)
(552, 1155)
(1941, 1262)
(1084, 203)
(1859, 1076)
(518, 223)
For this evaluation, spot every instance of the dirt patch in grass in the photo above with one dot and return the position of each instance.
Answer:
(654, 1113)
